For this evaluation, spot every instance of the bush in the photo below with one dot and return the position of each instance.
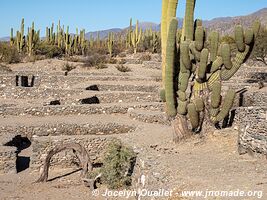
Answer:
(227, 39)
(94, 60)
(117, 166)
(145, 57)
(50, 51)
(101, 66)
(259, 52)
(123, 68)
(8, 54)
(68, 67)
(122, 61)
(122, 55)
(112, 61)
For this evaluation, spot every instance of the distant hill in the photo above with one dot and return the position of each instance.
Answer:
(224, 25)
(102, 33)
(4, 39)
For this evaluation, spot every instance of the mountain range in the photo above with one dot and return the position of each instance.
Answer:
(224, 25)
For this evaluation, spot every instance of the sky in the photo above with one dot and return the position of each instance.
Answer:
(96, 15)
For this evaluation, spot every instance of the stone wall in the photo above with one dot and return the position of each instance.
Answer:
(253, 129)
(61, 129)
(8, 158)
(8, 154)
(59, 110)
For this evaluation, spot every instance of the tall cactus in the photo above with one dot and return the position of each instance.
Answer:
(129, 35)
(201, 70)
(168, 12)
(12, 41)
(33, 38)
(110, 43)
(169, 86)
(136, 37)
(20, 38)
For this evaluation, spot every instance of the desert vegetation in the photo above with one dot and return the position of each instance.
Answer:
(180, 106)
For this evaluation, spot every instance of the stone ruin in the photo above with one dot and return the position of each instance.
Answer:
(138, 101)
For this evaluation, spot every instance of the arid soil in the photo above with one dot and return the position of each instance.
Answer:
(202, 163)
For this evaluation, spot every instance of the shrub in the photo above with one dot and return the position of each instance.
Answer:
(259, 52)
(68, 67)
(122, 61)
(117, 166)
(94, 60)
(122, 55)
(8, 54)
(123, 68)
(145, 57)
(227, 39)
(50, 51)
(101, 66)
(112, 61)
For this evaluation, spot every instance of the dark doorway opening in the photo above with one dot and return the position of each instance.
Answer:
(54, 103)
(22, 162)
(90, 100)
(93, 87)
(23, 81)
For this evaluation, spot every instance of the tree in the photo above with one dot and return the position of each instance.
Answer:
(259, 52)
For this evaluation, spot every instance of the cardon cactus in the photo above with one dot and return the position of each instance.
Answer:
(20, 38)
(204, 63)
(169, 86)
(136, 37)
(168, 12)
(110, 43)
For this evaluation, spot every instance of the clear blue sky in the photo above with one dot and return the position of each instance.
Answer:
(103, 14)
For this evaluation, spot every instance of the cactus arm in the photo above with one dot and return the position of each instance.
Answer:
(189, 19)
(169, 82)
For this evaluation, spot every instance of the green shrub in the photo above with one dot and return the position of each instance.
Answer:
(8, 54)
(117, 166)
(49, 50)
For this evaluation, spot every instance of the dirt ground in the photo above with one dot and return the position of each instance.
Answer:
(204, 164)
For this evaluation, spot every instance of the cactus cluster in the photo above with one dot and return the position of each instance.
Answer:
(33, 38)
(76, 44)
(203, 64)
